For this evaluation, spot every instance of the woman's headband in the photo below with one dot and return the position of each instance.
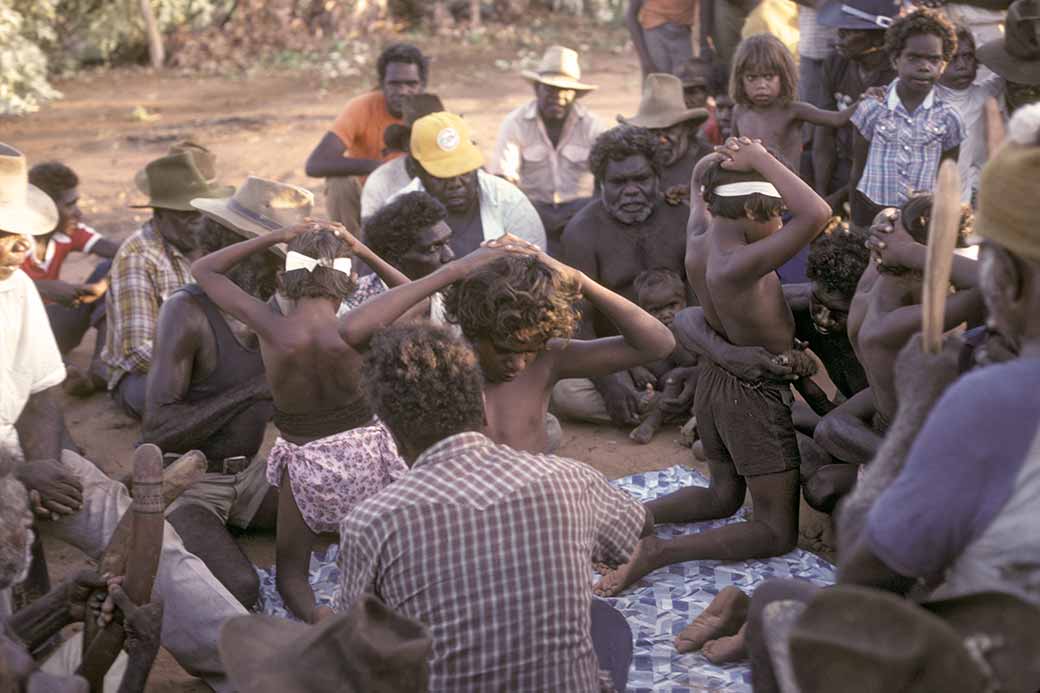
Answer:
(747, 188)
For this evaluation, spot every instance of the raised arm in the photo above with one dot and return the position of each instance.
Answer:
(327, 160)
(170, 422)
(808, 212)
(358, 326)
(579, 252)
(860, 151)
(808, 113)
(643, 338)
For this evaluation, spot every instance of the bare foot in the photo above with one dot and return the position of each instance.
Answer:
(724, 616)
(643, 561)
(645, 432)
(729, 649)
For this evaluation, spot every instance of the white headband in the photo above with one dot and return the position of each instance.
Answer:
(295, 261)
(747, 188)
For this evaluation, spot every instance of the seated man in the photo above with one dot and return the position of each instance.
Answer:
(543, 146)
(519, 314)
(663, 111)
(481, 207)
(353, 146)
(72, 308)
(950, 501)
(411, 235)
(627, 230)
(72, 499)
(884, 314)
(74, 600)
(207, 388)
(152, 264)
(431, 546)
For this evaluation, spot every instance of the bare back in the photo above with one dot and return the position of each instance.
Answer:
(516, 409)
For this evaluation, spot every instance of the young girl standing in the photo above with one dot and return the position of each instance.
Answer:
(763, 85)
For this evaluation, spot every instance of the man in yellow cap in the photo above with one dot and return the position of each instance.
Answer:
(543, 146)
(445, 163)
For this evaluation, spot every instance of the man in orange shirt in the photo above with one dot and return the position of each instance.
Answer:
(354, 147)
(661, 32)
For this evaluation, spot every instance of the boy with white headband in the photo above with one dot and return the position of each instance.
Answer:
(331, 453)
(746, 428)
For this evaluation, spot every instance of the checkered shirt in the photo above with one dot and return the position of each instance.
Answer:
(145, 271)
(905, 148)
(491, 549)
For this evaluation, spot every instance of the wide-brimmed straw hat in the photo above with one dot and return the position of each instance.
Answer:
(559, 68)
(442, 143)
(24, 208)
(205, 161)
(1016, 56)
(259, 207)
(396, 136)
(369, 649)
(175, 180)
(662, 104)
(871, 640)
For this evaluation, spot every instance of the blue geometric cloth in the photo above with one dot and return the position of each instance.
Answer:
(657, 607)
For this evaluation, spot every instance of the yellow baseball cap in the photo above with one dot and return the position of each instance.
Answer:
(441, 142)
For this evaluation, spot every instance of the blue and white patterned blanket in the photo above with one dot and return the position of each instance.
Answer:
(657, 607)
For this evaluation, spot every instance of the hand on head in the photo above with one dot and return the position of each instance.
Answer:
(491, 250)
(741, 153)
(889, 240)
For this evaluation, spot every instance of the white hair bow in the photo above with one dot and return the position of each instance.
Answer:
(295, 261)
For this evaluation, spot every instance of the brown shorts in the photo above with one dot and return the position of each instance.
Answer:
(746, 424)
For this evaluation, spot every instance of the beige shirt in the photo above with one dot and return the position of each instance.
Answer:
(545, 173)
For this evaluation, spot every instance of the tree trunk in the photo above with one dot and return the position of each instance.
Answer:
(155, 45)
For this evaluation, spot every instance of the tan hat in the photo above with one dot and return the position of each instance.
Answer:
(1011, 175)
(175, 180)
(259, 207)
(1016, 55)
(559, 68)
(205, 160)
(24, 208)
(662, 104)
(442, 143)
(369, 649)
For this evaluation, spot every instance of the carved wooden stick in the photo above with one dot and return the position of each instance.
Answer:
(995, 130)
(143, 542)
(942, 240)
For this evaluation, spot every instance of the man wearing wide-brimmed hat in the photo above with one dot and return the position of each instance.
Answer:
(1016, 56)
(392, 175)
(445, 162)
(150, 265)
(543, 146)
(663, 111)
(72, 499)
(207, 389)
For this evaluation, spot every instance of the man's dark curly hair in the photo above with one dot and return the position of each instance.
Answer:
(758, 206)
(424, 383)
(402, 53)
(516, 299)
(621, 142)
(922, 21)
(53, 178)
(323, 282)
(837, 259)
(391, 231)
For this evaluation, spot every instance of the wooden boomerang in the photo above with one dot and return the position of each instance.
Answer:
(942, 239)
(139, 536)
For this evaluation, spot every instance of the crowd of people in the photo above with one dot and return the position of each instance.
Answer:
(760, 216)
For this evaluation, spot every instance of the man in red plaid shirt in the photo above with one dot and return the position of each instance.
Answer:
(489, 547)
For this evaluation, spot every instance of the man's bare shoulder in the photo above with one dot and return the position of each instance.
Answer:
(183, 310)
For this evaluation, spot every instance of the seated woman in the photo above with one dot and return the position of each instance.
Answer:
(332, 451)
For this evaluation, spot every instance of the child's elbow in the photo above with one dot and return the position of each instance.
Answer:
(819, 213)
(665, 345)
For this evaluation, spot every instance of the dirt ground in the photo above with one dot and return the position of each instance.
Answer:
(265, 125)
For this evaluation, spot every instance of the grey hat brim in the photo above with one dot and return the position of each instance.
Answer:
(700, 115)
(995, 56)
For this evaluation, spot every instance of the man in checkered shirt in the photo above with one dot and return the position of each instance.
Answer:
(489, 547)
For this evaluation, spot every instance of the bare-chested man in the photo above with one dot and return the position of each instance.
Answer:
(331, 453)
(748, 434)
(519, 314)
(885, 313)
(207, 389)
(627, 230)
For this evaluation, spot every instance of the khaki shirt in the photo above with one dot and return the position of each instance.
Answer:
(524, 153)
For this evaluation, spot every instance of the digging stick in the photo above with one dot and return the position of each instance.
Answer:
(942, 239)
